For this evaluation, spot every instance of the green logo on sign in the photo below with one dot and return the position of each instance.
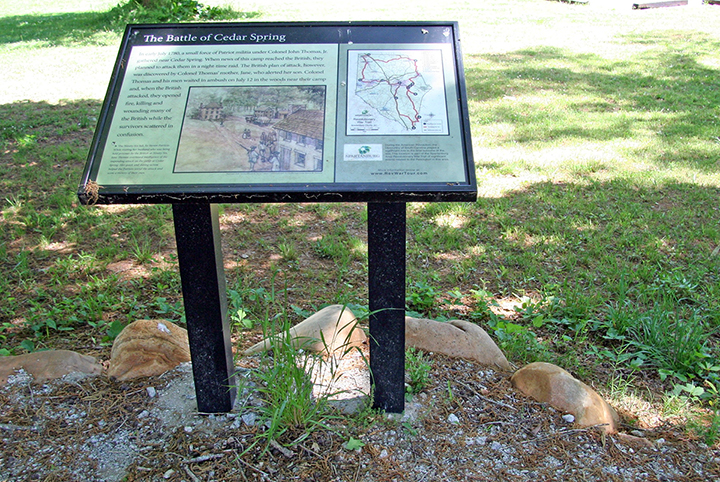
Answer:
(364, 149)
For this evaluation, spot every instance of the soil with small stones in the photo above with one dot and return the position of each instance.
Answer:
(468, 424)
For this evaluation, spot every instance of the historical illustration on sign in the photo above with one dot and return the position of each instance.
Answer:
(245, 129)
(396, 92)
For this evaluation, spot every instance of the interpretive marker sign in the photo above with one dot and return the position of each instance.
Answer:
(249, 112)
(198, 114)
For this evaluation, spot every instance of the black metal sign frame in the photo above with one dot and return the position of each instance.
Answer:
(284, 112)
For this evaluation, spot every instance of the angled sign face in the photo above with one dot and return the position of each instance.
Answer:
(251, 112)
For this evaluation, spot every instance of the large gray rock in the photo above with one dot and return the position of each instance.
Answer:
(147, 348)
(332, 329)
(456, 338)
(551, 384)
(48, 365)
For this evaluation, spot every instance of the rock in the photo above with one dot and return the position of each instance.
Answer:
(455, 338)
(551, 384)
(569, 418)
(331, 329)
(48, 365)
(249, 419)
(637, 441)
(147, 348)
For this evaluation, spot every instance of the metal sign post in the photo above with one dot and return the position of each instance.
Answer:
(386, 290)
(197, 233)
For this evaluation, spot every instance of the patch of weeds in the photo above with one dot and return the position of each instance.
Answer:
(301, 312)
(675, 405)
(418, 371)
(670, 341)
(289, 409)
(333, 247)
(166, 280)
(520, 343)
(707, 428)
(168, 310)
(620, 384)
(141, 249)
(288, 251)
(359, 248)
(238, 316)
(111, 330)
(676, 286)
(516, 341)
(246, 305)
(422, 297)
(65, 313)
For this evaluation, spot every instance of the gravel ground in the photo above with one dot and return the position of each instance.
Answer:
(468, 424)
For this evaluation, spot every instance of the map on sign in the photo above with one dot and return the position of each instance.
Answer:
(399, 92)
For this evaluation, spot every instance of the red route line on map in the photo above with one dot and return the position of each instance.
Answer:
(398, 84)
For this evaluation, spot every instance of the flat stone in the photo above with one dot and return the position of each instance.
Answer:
(456, 338)
(148, 348)
(548, 383)
(332, 329)
(48, 365)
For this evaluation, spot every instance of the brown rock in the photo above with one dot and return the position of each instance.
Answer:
(551, 384)
(48, 365)
(331, 329)
(455, 338)
(147, 348)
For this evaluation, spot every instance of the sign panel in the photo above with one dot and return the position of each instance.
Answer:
(249, 112)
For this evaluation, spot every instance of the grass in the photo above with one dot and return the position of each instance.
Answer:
(594, 242)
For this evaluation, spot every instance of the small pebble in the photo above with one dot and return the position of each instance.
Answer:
(249, 418)
(151, 392)
(569, 417)
(168, 474)
(384, 454)
(143, 414)
(188, 429)
(453, 419)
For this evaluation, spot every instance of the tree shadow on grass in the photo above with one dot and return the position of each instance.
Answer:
(664, 92)
(55, 29)
(71, 28)
(575, 240)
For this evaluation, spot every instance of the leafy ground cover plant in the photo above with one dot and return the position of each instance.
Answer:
(418, 370)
